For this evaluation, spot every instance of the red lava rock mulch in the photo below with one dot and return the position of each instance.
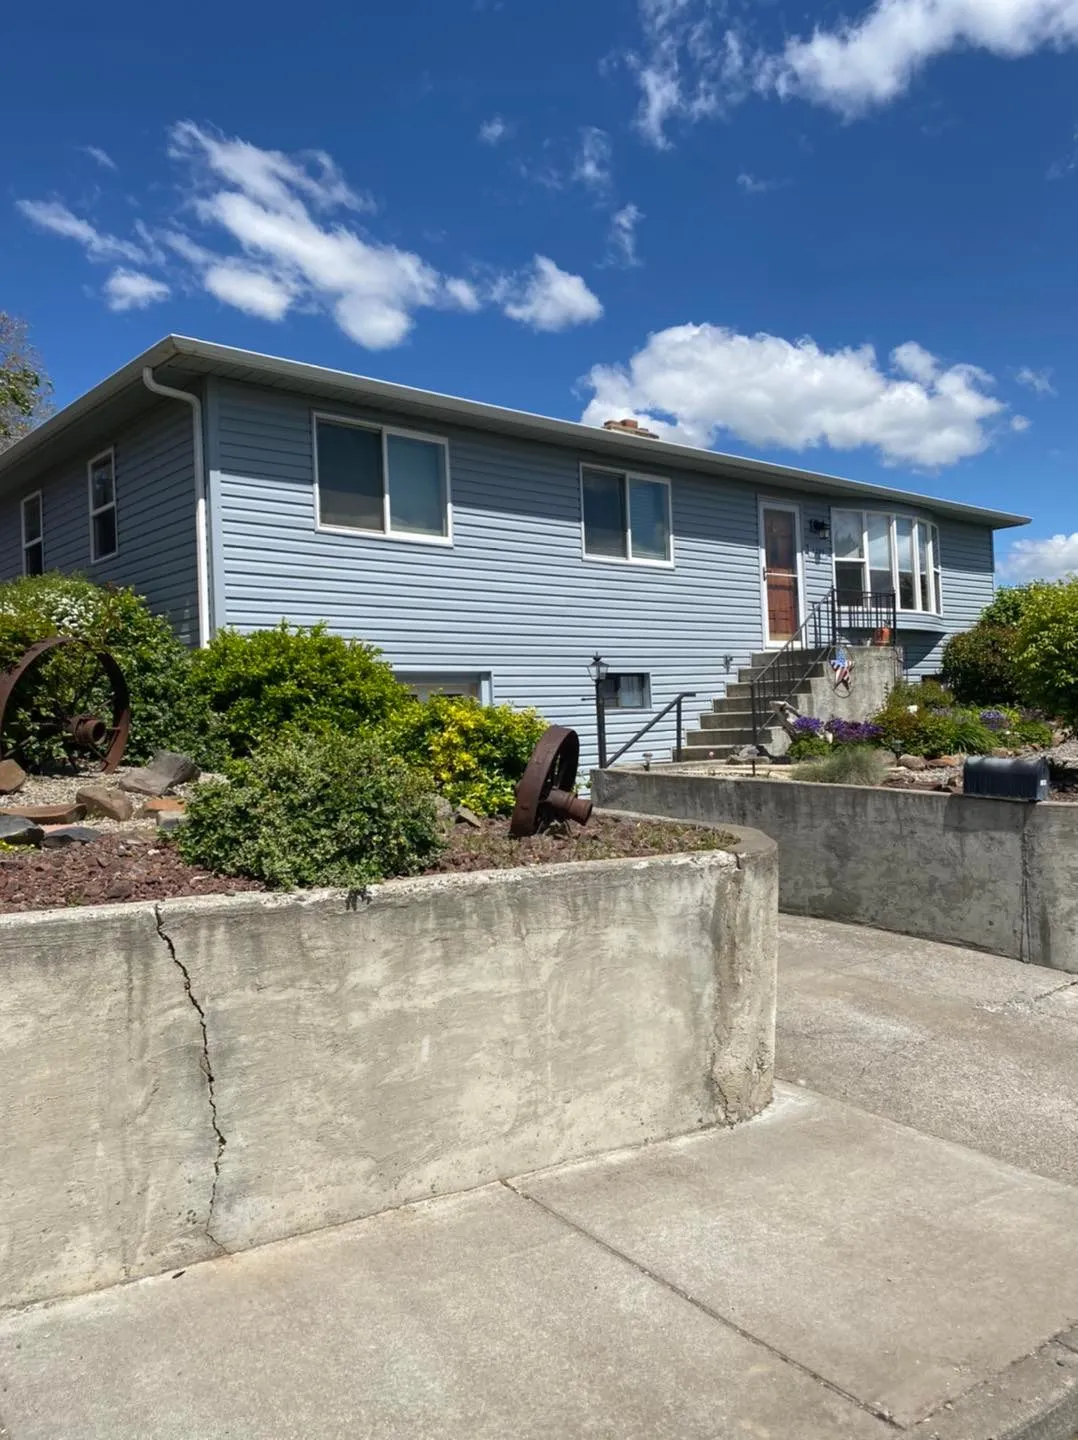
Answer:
(603, 838)
(133, 866)
(111, 868)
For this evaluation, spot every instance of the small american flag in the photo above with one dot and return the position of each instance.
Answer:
(841, 665)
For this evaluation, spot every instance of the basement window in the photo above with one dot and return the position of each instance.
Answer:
(626, 692)
(33, 535)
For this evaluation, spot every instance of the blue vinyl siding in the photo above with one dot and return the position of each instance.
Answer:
(513, 597)
(155, 512)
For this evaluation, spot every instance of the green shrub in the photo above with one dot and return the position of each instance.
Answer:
(475, 754)
(1029, 730)
(156, 664)
(808, 747)
(258, 686)
(1046, 652)
(980, 665)
(332, 808)
(848, 765)
(933, 732)
(1008, 607)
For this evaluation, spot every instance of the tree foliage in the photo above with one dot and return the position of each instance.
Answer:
(24, 386)
(1046, 651)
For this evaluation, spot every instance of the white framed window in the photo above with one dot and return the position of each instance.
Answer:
(625, 517)
(101, 484)
(375, 480)
(33, 535)
(879, 553)
(626, 691)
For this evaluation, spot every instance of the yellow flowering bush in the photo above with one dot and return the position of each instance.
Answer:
(475, 754)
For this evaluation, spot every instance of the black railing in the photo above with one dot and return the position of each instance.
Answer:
(839, 613)
(675, 704)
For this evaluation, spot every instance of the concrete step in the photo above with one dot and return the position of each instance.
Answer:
(728, 739)
(741, 691)
(726, 719)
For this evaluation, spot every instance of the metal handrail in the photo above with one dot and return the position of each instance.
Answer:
(828, 617)
(674, 704)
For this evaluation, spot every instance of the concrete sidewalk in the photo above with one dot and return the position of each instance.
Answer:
(822, 1272)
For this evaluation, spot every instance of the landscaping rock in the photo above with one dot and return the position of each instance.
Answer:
(945, 762)
(120, 889)
(108, 803)
(164, 771)
(913, 762)
(743, 755)
(49, 814)
(12, 777)
(162, 805)
(69, 835)
(15, 830)
(463, 816)
(170, 819)
(1000, 753)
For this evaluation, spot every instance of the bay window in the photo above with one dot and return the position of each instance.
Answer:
(877, 554)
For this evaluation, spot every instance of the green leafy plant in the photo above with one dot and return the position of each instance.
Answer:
(933, 732)
(165, 712)
(980, 667)
(329, 808)
(1046, 650)
(1008, 606)
(808, 747)
(847, 765)
(475, 754)
(259, 686)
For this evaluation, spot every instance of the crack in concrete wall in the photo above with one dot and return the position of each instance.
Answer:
(206, 1067)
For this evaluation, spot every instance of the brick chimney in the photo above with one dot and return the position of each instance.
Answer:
(630, 427)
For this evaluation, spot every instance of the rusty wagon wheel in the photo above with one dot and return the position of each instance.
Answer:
(545, 791)
(89, 717)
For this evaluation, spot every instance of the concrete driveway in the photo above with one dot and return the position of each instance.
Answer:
(891, 1248)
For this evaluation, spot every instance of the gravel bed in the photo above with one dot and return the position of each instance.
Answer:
(603, 838)
(61, 789)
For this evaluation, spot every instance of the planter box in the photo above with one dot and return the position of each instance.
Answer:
(218, 1073)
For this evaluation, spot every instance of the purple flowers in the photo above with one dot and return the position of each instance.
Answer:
(854, 732)
(994, 719)
(807, 725)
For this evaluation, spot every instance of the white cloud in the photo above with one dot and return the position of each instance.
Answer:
(103, 158)
(248, 289)
(284, 243)
(1020, 423)
(753, 186)
(687, 71)
(699, 383)
(548, 298)
(872, 61)
(56, 217)
(1039, 381)
(132, 290)
(690, 67)
(1041, 559)
(591, 166)
(621, 240)
(494, 130)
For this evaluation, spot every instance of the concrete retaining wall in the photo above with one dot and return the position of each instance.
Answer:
(992, 874)
(217, 1073)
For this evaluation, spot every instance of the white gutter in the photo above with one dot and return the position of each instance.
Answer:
(201, 536)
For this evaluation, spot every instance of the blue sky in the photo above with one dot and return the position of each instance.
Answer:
(836, 237)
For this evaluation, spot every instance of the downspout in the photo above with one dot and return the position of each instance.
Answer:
(201, 536)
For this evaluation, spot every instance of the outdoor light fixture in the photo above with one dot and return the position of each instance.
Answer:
(599, 670)
(821, 529)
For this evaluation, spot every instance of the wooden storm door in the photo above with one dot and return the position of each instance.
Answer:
(782, 581)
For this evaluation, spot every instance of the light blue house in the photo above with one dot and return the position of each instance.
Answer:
(486, 551)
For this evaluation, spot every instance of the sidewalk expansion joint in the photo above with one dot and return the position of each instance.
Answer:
(877, 1412)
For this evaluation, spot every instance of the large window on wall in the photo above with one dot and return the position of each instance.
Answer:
(380, 481)
(878, 553)
(626, 517)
